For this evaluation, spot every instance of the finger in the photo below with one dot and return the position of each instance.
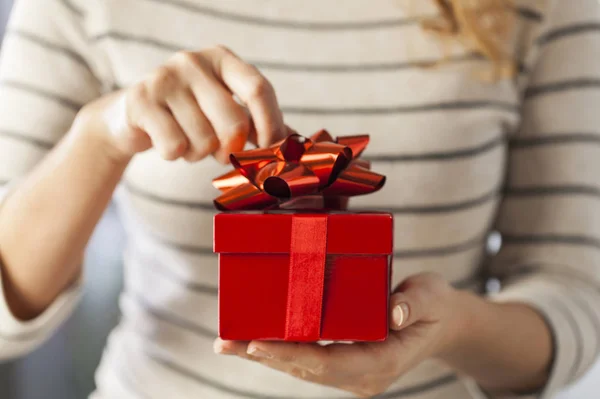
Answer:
(196, 126)
(156, 121)
(228, 119)
(255, 91)
(253, 138)
(161, 83)
(238, 348)
(329, 364)
(400, 312)
(344, 364)
(230, 123)
(311, 357)
(289, 131)
(289, 368)
(223, 347)
(416, 299)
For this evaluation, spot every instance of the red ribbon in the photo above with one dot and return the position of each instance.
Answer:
(308, 254)
(297, 169)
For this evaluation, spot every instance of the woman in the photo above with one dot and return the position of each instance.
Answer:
(500, 134)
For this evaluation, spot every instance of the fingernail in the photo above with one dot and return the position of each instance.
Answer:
(254, 351)
(400, 314)
(218, 347)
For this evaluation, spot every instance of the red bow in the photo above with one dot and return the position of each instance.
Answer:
(297, 167)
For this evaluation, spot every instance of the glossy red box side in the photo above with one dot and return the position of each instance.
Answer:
(253, 275)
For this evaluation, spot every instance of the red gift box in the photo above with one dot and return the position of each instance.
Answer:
(303, 276)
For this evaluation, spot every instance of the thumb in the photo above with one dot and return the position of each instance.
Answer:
(402, 312)
(416, 299)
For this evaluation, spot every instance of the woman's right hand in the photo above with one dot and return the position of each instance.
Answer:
(186, 109)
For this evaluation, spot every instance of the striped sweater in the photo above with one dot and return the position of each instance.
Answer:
(464, 159)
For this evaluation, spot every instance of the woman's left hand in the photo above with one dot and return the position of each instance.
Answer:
(425, 321)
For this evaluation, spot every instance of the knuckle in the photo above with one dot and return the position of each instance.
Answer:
(209, 145)
(222, 49)
(416, 283)
(253, 70)
(169, 155)
(427, 278)
(133, 99)
(163, 76)
(431, 279)
(136, 94)
(239, 128)
(421, 294)
(413, 280)
(259, 88)
(217, 53)
(172, 150)
(193, 157)
(431, 284)
(234, 136)
(185, 58)
(163, 80)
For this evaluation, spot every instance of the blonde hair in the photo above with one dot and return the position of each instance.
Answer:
(484, 26)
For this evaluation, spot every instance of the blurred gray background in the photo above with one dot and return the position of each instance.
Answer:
(64, 367)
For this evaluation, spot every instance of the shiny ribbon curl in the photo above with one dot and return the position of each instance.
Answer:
(295, 169)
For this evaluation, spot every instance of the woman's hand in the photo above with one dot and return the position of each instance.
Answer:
(186, 109)
(425, 321)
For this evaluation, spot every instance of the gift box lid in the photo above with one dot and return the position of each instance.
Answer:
(259, 232)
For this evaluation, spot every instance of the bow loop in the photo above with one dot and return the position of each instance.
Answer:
(297, 168)
(292, 148)
(356, 143)
(285, 180)
(250, 162)
(326, 160)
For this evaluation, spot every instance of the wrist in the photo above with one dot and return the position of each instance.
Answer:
(502, 346)
(462, 325)
(91, 126)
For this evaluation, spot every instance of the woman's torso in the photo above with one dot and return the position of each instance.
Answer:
(439, 134)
